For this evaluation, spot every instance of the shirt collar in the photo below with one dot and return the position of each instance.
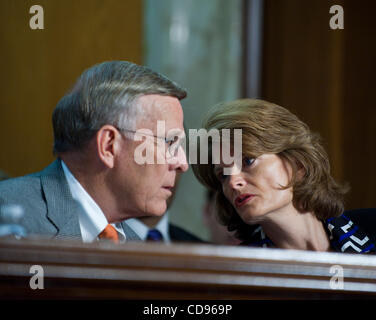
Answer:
(92, 219)
(142, 230)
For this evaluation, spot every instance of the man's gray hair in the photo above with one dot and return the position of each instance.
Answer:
(104, 94)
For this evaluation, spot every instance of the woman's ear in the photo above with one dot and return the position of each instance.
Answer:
(295, 170)
(107, 139)
(300, 172)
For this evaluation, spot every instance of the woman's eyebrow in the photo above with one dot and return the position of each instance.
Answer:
(217, 169)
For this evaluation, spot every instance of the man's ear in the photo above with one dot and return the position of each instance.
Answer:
(107, 144)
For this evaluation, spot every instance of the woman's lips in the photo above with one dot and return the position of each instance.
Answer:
(243, 199)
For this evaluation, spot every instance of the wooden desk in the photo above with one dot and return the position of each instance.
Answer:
(157, 271)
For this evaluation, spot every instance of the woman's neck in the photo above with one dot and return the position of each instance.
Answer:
(290, 229)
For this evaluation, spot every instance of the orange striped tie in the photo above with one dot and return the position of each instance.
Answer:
(109, 233)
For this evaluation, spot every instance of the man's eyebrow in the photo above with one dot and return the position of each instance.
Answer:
(175, 132)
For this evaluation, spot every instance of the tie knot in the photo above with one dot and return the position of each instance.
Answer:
(154, 235)
(109, 233)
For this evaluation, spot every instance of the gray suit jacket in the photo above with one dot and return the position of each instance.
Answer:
(48, 205)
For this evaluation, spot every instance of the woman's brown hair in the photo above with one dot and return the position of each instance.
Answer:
(269, 128)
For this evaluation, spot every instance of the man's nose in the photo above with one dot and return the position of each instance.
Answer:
(180, 162)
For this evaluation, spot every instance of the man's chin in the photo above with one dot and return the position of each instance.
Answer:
(158, 210)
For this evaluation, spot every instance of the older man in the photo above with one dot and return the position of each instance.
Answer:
(100, 177)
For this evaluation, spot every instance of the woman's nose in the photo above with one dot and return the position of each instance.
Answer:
(236, 181)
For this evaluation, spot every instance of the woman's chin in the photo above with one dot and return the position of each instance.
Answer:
(250, 218)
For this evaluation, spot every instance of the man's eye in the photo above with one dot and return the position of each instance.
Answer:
(248, 161)
(171, 141)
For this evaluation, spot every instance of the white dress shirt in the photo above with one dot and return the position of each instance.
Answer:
(142, 230)
(92, 219)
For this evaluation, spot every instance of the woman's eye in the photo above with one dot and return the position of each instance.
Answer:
(248, 161)
(221, 176)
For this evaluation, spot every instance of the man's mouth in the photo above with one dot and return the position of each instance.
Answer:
(168, 188)
(243, 199)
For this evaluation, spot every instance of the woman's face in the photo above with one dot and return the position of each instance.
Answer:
(256, 192)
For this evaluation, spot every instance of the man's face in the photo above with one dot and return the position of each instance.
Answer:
(142, 190)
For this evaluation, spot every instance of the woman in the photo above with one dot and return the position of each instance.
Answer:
(284, 195)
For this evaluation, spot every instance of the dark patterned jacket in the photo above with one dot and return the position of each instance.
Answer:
(353, 232)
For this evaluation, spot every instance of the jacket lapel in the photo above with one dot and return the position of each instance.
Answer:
(129, 233)
(62, 209)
